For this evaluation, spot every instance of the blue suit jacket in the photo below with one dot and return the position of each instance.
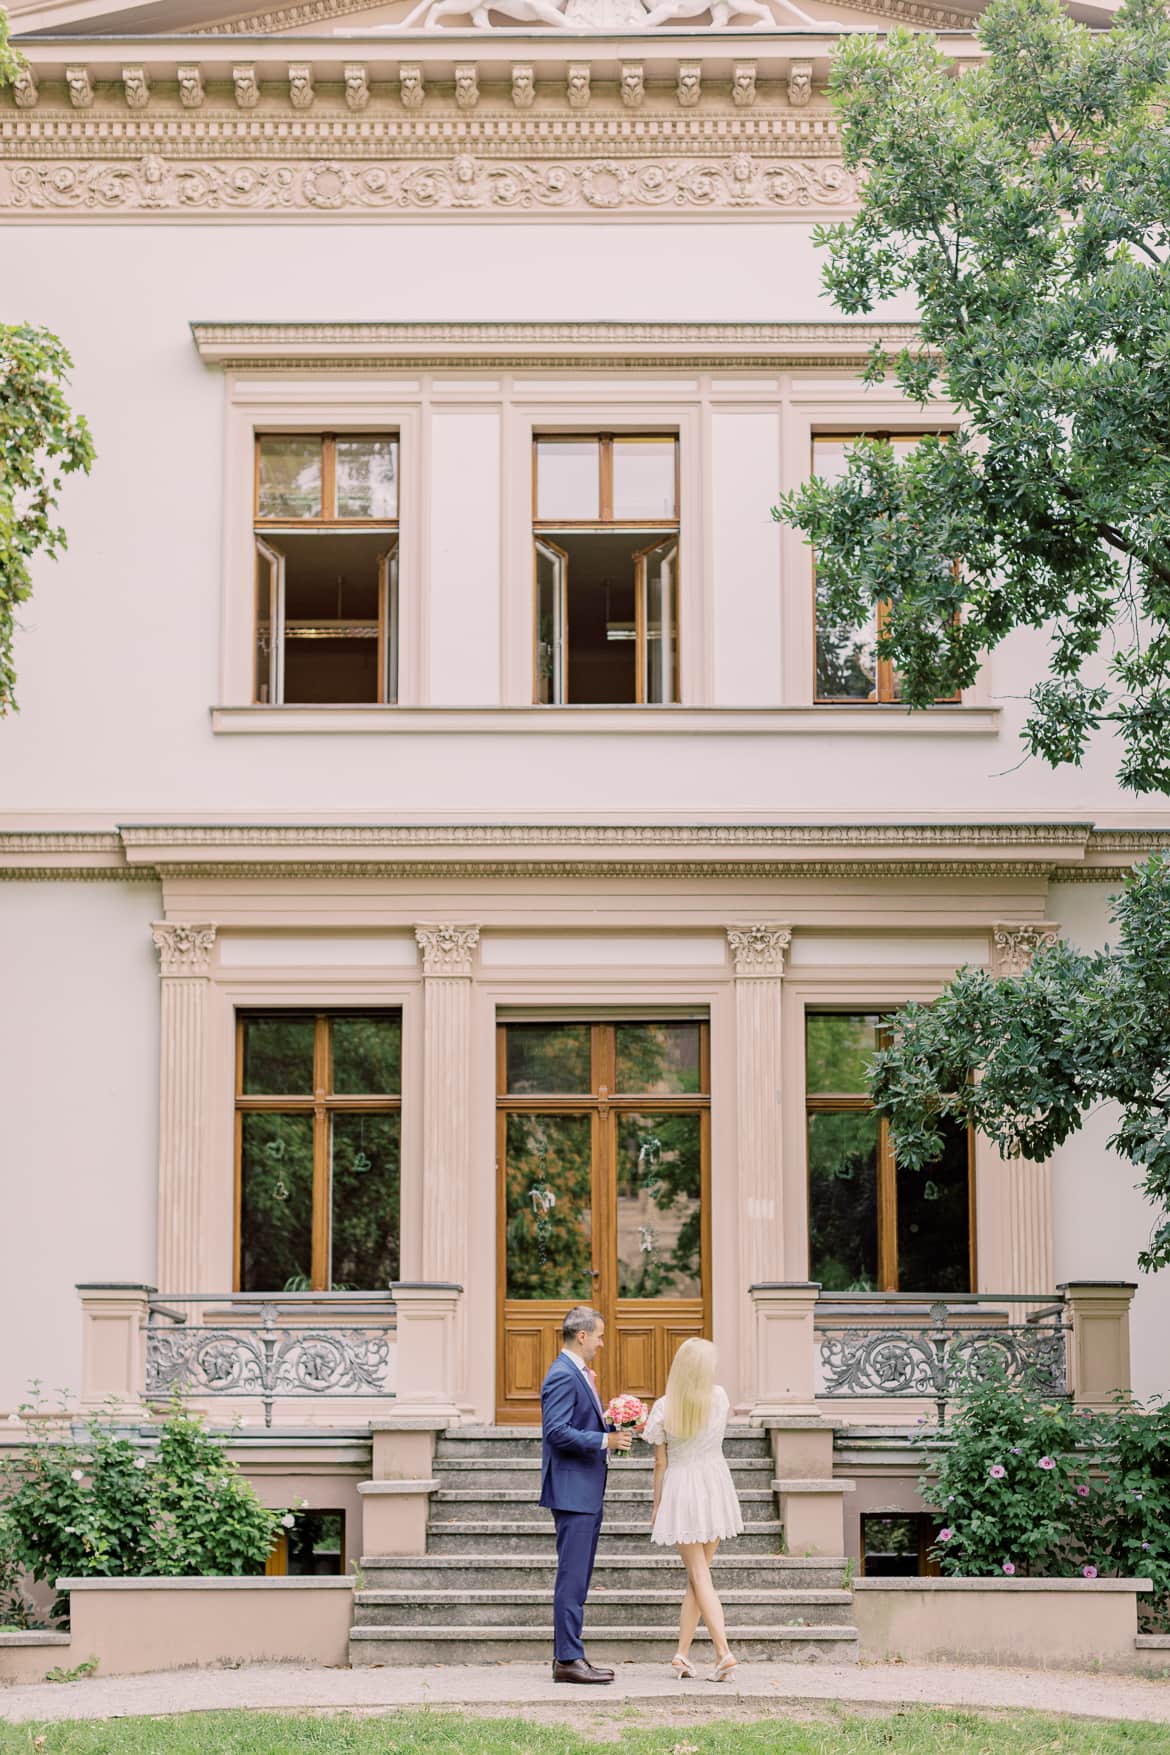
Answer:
(573, 1458)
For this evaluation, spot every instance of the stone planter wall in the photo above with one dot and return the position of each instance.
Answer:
(139, 1624)
(25, 1657)
(1029, 1623)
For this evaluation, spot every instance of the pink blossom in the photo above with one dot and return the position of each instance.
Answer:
(1009, 1568)
(1047, 1462)
(945, 1535)
(1089, 1571)
(997, 1471)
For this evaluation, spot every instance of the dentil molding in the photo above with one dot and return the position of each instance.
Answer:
(183, 950)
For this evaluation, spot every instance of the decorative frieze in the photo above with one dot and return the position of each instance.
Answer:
(183, 950)
(759, 951)
(1015, 943)
(447, 950)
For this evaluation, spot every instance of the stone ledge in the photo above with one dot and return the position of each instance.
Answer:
(1152, 1642)
(32, 1637)
(389, 1489)
(201, 1584)
(813, 1486)
(1011, 1586)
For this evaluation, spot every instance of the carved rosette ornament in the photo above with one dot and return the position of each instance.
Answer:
(247, 87)
(1014, 944)
(24, 88)
(759, 951)
(357, 87)
(800, 83)
(190, 87)
(80, 87)
(577, 85)
(523, 88)
(183, 950)
(136, 86)
(632, 85)
(690, 85)
(743, 84)
(410, 87)
(300, 85)
(447, 951)
(467, 87)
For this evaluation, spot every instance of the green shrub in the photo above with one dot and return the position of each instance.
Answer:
(101, 1505)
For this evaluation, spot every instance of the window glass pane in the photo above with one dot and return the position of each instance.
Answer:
(367, 478)
(934, 1221)
(842, 1200)
(847, 665)
(658, 1058)
(659, 1206)
(549, 1195)
(367, 1055)
(365, 1229)
(568, 478)
(662, 623)
(550, 603)
(290, 476)
(548, 1058)
(278, 1055)
(839, 1047)
(276, 1203)
(316, 1544)
(265, 588)
(643, 478)
(889, 1546)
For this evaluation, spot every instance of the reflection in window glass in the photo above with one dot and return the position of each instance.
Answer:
(276, 1196)
(278, 1055)
(842, 1200)
(659, 1206)
(367, 478)
(839, 1048)
(365, 1219)
(315, 1545)
(891, 1546)
(367, 1054)
(553, 1058)
(568, 478)
(934, 1219)
(290, 476)
(658, 1058)
(643, 478)
(549, 1198)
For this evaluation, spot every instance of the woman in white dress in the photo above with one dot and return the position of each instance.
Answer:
(695, 1502)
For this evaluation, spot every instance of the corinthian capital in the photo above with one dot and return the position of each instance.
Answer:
(183, 950)
(759, 950)
(447, 950)
(1014, 944)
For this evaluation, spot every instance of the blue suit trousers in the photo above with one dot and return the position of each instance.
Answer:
(577, 1534)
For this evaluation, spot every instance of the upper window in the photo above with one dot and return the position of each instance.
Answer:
(606, 539)
(326, 526)
(847, 665)
(873, 1225)
(318, 1114)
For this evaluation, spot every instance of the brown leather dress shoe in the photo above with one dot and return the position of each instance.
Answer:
(579, 1671)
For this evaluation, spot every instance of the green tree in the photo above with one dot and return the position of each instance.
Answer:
(41, 440)
(1026, 206)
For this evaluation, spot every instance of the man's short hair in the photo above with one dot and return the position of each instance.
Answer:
(580, 1317)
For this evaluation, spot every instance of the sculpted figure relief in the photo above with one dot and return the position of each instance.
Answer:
(596, 14)
(431, 13)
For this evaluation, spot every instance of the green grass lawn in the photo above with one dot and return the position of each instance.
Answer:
(919, 1732)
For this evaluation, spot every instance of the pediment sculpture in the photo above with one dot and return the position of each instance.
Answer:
(606, 14)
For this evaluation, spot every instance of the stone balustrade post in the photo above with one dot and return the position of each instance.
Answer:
(425, 1358)
(785, 1349)
(113, 1346)
(185, 966)
(1098, 1340)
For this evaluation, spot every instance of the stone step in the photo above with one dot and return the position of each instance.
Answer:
(535, 1537)
(618, 1608)
(503, 1474)
(605, 1643)
(524, 1441)
(522, 1505)
(649, 1570)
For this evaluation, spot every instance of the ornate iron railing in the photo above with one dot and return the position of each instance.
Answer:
(963, 1341)
(268, 1358)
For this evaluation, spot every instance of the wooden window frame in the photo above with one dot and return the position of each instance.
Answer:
(276, 1565)
(546, 529)
(927, 1567)
(386, 627)
(322, 1103)
(886, 695)
(886, 1205)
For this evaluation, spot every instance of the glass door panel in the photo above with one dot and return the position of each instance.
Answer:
(549, 1207)
(659, 1206)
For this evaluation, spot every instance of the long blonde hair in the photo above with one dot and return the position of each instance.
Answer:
(689, 1388)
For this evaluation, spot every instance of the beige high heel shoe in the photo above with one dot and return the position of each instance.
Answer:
(682, 1667)
(723, 1669)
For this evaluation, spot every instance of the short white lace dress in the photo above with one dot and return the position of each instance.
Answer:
(699, 1502)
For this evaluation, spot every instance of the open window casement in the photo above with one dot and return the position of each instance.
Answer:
(656, 602)
(552, 579)
(269, 623)
(388, 625)
(323, 634)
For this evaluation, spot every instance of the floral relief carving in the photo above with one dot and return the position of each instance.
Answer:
(24, 88)
(800, 83)
(190, 87)
(357, 87)
(80, 87)
(183, 950)
(743, 84)
(1014, 944)
(136, 86)
(523, 88)
(467, 87)
(300, 86)
(410, 87)
(759, 950)
(152, 184)
(633, 85)
(577, 85)
(690, 85)
(247, 87)
(447, 950)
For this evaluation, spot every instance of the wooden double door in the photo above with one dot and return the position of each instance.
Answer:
(603, 1157)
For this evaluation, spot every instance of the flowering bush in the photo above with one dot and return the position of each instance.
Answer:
(101, 1506)
(1030, 1488)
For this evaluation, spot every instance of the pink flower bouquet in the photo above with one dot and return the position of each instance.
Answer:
(624, 1411)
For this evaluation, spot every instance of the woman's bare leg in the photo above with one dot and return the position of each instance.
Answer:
(697, 1561)
(688, 1620)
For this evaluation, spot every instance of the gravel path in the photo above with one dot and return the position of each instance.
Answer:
(527, 1689)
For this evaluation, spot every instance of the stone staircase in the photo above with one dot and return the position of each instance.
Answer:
(483, 1591)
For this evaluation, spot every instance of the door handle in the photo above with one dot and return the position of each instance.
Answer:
(596, 1272)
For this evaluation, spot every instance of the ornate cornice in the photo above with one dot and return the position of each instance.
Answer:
(758, 952)
(315, 12)
(183, 950)
(1014, 944)
(413, 346)
(447, 951)
(652, 836)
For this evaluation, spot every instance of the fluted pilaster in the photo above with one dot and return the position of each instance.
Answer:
(758, 953)
(448, 954)
(185, 966)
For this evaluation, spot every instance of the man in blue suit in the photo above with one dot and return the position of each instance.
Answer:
(575, 1457)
